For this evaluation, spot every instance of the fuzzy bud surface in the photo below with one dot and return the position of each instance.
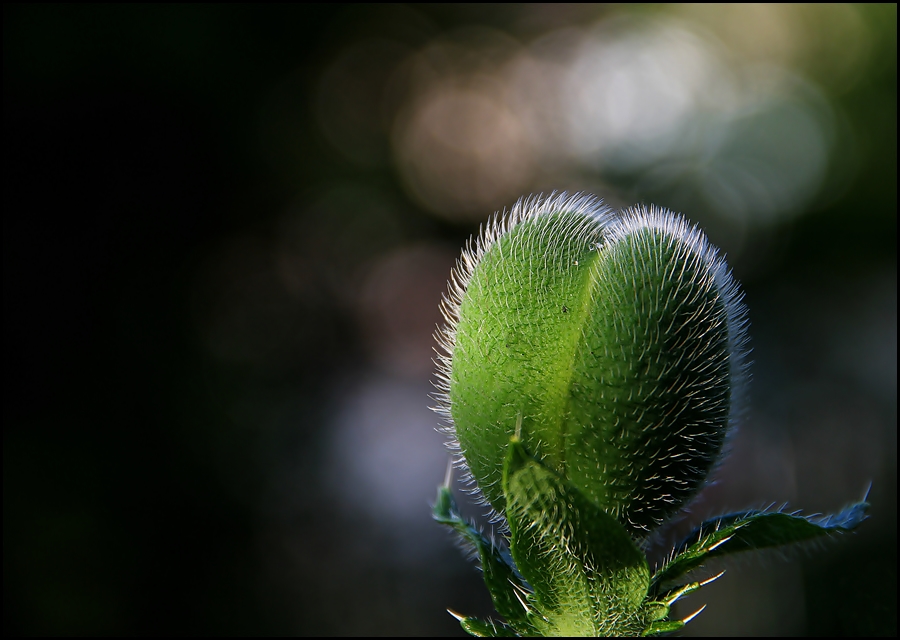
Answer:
(612, 344)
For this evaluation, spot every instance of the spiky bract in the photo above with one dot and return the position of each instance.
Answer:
(614, 345)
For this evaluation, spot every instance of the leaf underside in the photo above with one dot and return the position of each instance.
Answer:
(748, 530)
(578, 572)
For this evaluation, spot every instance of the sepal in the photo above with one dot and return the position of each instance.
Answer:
(588, 575)
(507, 590)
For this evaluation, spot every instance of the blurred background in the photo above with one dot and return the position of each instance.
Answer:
(226, 231)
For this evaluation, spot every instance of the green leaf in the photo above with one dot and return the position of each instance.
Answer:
(748, 530)
(486, 628)
(663, 626)
(499, 574)
(589, 577)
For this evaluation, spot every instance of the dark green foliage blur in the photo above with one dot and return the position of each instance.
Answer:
(226, 230)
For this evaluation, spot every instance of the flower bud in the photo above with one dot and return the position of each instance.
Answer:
(612, 344)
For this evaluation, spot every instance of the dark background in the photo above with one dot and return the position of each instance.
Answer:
(226, 231)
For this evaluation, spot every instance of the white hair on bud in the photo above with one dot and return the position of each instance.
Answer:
(501, 223)
(641, 217)
(653, 217)
(612, 227)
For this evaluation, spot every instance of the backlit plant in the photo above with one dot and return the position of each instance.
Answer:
(593, 366)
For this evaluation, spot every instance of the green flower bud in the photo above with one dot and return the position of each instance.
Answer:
(612, 344)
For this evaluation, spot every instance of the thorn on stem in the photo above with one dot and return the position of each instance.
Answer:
(720, 543)
(449, 475)
(713, 579)
(865, 497)
(693, 615)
